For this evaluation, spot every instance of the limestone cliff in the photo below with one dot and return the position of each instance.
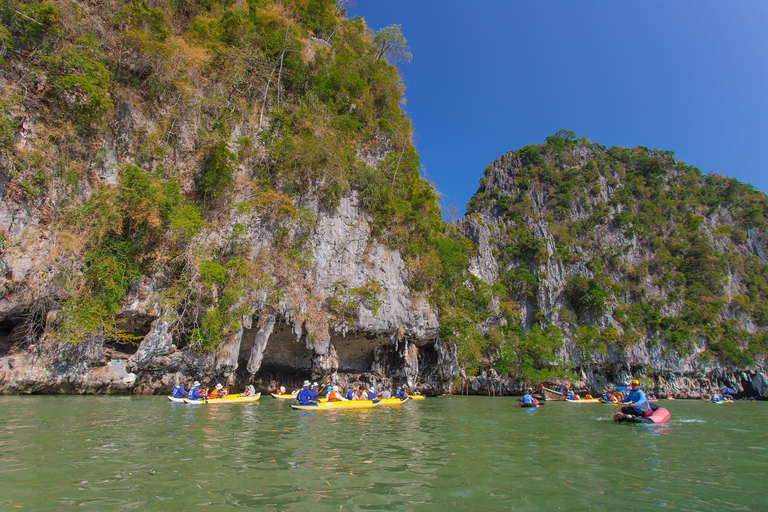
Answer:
(630, 260)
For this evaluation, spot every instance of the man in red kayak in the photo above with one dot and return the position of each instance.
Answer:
(641, 406)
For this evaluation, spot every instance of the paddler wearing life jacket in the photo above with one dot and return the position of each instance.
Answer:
(194, 392)
(178, 391)
(219, 392)
(606, 397)
(335, 396)
(641, 407)
(399, 393)
(306, 395)
(280, 391)
(249, 390)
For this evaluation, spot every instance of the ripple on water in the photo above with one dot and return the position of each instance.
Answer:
(460, 452)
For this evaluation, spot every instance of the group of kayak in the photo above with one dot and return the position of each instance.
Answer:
(198, 394)
(307, 397)
(638, 407)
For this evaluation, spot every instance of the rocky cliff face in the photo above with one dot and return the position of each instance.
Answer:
(641, 265)
(393, 342)
(229, 192)
(214, 192)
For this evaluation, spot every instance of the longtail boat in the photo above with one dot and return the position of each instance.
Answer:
(551, 395)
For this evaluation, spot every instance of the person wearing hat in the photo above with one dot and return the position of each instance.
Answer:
(334, 395)
(249, 390)
(306, 395)
(221, 391)
(641, 405)
(371, 394)
(280, 391)
(194, 392)
(178, 391)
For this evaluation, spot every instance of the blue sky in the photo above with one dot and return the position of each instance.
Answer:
(491, 76)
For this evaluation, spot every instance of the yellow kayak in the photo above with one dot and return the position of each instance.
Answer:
(584, 401)
(393, 401)
(284, 397)
(230, 399)
(328, 406)
(416, 397)
(349, 404)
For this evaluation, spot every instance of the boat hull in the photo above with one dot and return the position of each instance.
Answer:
(659, 417)
(284, 397)
(550, 395)
(231, 399)
(335, 406)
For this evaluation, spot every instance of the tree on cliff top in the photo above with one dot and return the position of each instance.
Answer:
(391, 43)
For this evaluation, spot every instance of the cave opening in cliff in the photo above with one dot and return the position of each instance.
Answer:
(283, 355)
(9, 333)
(428, 359)
(18, 331)
(355, 354)
(126, 346)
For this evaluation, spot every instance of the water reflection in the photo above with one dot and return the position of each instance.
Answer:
(473, 453)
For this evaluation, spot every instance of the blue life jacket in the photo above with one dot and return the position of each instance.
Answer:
(606, 397)
(399, 393)
(349, 394)
(527, 399)
(371, 395)
(178, 391)
(306, 396)
(194, 394)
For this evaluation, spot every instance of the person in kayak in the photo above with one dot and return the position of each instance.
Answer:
(351, 393)
(219, 392)
(371, 394)
(335, 396)
(386, 394)
(307, 396)
(399, 393)
(606, 397)
(527, 398)
(249, 390)
(641, 406)
(363, 394)
(194, 392)
(280, 391)
(178, 391)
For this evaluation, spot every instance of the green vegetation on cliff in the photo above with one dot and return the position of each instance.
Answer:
(645, 246)
(157, 122)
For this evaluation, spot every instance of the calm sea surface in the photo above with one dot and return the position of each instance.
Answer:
(466, 453)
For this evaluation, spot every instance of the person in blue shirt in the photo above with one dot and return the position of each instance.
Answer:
(194, 392)
(641, 405)
(371, 394)
(178, 391)
(399, 393)
(351, 393)
(527, 399)
(306, 395)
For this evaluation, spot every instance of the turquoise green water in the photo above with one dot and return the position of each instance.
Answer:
(467, 453)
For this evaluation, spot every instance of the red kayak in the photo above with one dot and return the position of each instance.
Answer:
(659, 417)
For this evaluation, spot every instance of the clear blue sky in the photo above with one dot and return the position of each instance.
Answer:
(491, 76)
